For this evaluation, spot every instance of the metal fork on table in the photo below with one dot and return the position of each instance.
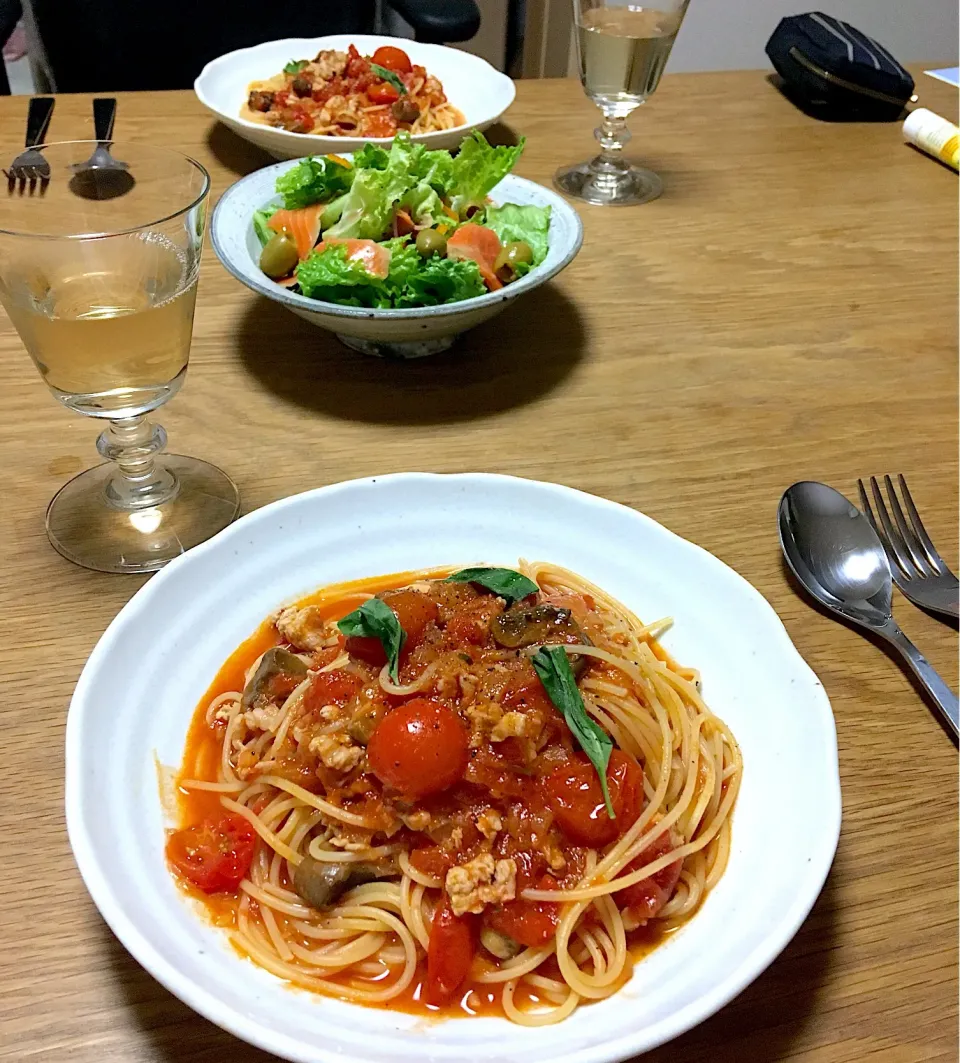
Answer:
(30, 166)
(917, 569)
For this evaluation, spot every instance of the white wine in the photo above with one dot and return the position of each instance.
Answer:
(623, 51)
(108, 323)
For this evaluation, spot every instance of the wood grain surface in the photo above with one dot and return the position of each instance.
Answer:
(787, 311)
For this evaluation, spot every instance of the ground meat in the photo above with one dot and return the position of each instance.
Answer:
(517, 725)
(481, 881)
(336, 751)
(489, 822)
(305, 628)
(482, 717)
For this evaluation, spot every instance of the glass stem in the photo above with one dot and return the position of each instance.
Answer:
(139, 480)
(613, 135)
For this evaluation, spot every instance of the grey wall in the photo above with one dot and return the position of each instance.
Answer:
(730, 34)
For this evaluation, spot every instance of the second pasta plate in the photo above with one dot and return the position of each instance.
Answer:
(141, 685)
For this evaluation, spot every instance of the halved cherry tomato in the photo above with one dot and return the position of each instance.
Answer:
(471, 623)
(532, 923)
(356, 64)
(379, 126)
(524, 690)
(449, 954)
(383, 92)
(649, 895)
(331, 688)
(431, 860)
(213, 855)
(573, 794)
(393, 59)
(414, 611)
(419, 748)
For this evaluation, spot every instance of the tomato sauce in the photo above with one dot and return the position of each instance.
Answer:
(201, 760)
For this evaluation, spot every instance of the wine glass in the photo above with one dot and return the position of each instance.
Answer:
(622, 49)
(101, 287)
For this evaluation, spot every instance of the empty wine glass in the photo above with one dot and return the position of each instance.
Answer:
(622, 49)
(102, 291)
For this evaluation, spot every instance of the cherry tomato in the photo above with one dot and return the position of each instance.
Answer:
(331, 688)
(213, 855)
(649, 895)
(356, 64)
(524, 690)
(383, 92)
(431, 860)
(471, 623)
(413, 609)
(393, 59)
(419, 748)
(379, 125)
(573, 793)
(532, 923)
(449, 954)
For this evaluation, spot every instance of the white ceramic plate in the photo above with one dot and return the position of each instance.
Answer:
(471, 84)
(409, 333)
(140, 686)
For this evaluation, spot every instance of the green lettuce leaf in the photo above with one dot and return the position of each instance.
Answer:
(314, 180)
(531, 224)
(423, 204)
(370, 157)
(435, 168)
(368, 209)
(260, 219)
(411, 280)
(477, 168)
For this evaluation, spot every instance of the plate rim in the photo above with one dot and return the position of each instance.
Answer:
(210, 1007)
(296, 138)
(532, 280)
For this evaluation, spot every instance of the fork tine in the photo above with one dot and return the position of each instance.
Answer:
(909, 539)
(889, 536)
(919, 530)
(906, 532)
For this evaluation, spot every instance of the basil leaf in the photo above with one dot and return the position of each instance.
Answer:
(502, 581)
(295, 66)
(553, 667)
(375, 619)
(389, 75)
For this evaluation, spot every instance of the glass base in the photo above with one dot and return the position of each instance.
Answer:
(87, 530)
(621, 187)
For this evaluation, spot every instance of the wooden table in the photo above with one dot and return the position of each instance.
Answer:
(786, 311)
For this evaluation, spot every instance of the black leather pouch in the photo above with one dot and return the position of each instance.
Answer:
(833, 70)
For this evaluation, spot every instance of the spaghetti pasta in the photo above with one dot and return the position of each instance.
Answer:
(340, 94)
(505, 887)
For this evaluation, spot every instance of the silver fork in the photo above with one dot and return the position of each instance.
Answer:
(917, 569)
(30, 166)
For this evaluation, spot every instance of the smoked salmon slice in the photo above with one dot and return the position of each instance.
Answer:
(302, 226)
(480, 245)
(373, 256)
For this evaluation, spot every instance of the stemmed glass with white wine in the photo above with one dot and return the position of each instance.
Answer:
(622, 49)
(102, 289)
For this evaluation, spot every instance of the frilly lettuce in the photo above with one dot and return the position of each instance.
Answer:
(477, 168)
(314, 180)
(411, 280)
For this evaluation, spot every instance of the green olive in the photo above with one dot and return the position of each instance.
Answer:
(279, 256)
(430, 242)
(513, 254)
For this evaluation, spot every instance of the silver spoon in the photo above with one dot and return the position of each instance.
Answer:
(102, 176)
(836, 555)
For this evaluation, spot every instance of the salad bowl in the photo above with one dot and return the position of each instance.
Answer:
(406, 332)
